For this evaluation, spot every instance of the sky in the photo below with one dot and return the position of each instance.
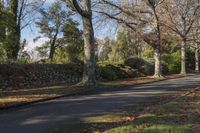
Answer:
(102, 29)
(31, 31)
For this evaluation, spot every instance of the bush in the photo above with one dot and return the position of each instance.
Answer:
(107, 72)
(116, 71)
(148, 55)
(141, 65)
(173, 61)
(165, 68)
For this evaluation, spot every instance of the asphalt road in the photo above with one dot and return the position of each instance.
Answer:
(40, 117)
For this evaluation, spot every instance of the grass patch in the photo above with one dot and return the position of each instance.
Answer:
(178, 116)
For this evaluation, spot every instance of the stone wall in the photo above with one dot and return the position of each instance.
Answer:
(32, 75)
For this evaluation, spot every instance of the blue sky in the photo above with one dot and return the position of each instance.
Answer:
(31, 31)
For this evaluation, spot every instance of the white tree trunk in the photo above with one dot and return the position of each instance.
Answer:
(158, 66)
(197, 60)
(183, 58)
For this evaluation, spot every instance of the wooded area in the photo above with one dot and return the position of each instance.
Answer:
(160, 32)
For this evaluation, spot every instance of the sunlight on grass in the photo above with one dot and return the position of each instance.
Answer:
(130, 81)
(11, 100)
(179, 116)
(145, 128)
(12, 97)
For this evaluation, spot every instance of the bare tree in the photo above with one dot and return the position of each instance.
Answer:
(143, 18)
(194, 39)
(181, 15)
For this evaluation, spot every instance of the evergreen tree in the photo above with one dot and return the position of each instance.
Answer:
(120, 48)
(12, 44)
(51, 23)
(2, 29)
(73, 38)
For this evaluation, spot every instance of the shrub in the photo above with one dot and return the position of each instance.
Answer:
(173, 61)
(124, 71)
(148, 55)
(107, 72)
(135, 62)
(141, 65)
(165, 68)
(116, 71)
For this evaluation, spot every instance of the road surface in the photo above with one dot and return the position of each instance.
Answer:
(40, 117)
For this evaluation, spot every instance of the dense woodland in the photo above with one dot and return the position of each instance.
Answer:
(151, 37)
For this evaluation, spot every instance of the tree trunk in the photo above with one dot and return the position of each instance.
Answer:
(197, 60)
(158, 66)
(183, 58)
(89, 42)
(52, 51)
(18, 43)
(157, 54)
(89, 51)
(53, 47)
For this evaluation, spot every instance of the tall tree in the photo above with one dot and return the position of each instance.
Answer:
(2, 29)
(2, 23)
(105, 49)
(68, 47)
(73, 39)
(51, 24)
(13, 35)
(181, 15)
(19, 14)
(143, 18)
(195, 43)
(85, 11)
(120, 49)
